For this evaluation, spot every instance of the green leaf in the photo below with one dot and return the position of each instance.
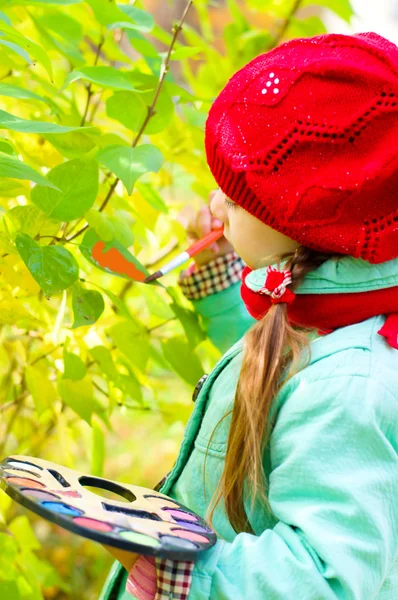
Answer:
(141, 19)
(14, 91)
(151, 196)
(8, 553)
(155, 302)
(74, 143)
(53, 267)
(98, 447)
(8, 121)
(101, 224)
(189, 320)
(119, 303)
(122, 231)
(131, 111)
(106, 77)
(79, 396)
(103, 356)
(74, 367)
(22, 531)
(9, 590)
(12, 167)
(342, 8)
(41, 387)
(183, 359)
(132, 342)
(131, 387)
(7, 147)
(62, 24)
(134, 109)
(54, 38)
(176, 90)
(31, 220)
(141, 44)
(5, 17)
(15, 48)
(77, 181)
(88, 306)
(30, 47)
(111, 257)
(107, 12)
(38, 2)
(130, 163)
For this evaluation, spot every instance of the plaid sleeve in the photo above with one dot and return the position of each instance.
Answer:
(219, 274)
(174, 579)
(160, 579)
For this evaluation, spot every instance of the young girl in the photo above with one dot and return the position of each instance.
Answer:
(291, 449)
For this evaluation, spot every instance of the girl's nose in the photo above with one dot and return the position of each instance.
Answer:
(216, 205)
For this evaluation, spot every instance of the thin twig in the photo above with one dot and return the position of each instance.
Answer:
(11, 403)
(285, 24)
(89, 87)
(150, 110)
(45, 355)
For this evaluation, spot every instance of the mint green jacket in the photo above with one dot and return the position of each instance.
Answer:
(332, 463)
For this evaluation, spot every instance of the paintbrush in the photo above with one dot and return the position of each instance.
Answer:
(195, 248)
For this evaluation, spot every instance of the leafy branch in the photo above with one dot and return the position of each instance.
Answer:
(150, 109)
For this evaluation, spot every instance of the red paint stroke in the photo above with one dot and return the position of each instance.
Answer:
(114, 260)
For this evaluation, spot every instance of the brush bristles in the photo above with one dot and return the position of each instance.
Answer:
(153, 277)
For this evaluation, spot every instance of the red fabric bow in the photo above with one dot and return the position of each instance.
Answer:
(275, 285)
(326, 312)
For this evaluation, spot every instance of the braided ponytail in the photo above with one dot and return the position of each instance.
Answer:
(270, 346)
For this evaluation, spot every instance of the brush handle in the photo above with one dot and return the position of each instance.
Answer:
(205, 242)
(181, 258)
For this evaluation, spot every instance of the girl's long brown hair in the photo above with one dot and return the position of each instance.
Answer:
(269, 347)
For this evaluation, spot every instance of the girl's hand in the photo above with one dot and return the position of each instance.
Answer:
(127, 559)
(198, 225)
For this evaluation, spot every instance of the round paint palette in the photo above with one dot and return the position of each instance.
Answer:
(146, 522)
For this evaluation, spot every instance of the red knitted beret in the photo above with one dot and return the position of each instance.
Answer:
(304, 137)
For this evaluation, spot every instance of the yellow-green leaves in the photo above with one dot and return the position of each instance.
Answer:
(103, 76)
(9, 121)
(121, 15)
(42, 389)
(151, 196)
(23, 533)
(77, 181)
(79, 396)
(183, 359)
(31, 220)
(130, 163)
(133, 342)
(74, 367)
(131, 110)
(30, 47)
(12, 167)
(53, 267)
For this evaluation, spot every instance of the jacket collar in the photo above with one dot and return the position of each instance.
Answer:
(347, 274)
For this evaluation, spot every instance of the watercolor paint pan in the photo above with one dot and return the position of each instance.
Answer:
(143, 521)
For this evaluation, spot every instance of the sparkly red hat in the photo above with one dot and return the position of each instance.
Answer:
(304, 137)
